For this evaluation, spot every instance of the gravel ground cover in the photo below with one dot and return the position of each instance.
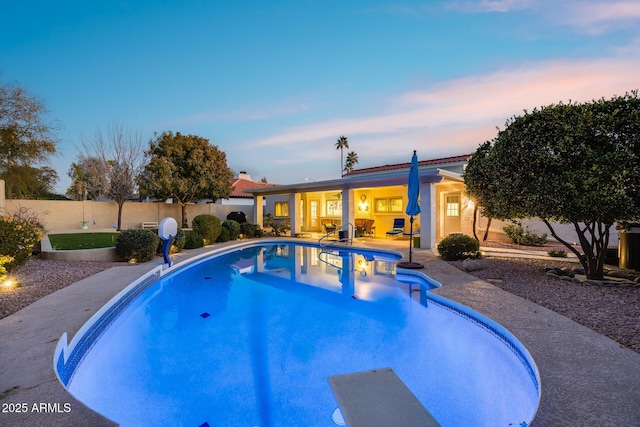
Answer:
(38, 278)
(611, 311)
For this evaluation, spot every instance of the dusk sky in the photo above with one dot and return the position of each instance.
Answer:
(274, 83)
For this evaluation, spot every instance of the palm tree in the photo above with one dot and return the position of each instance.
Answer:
(352, 159)
(340, 145)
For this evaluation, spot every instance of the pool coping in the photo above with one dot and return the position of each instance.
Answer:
(586, 378)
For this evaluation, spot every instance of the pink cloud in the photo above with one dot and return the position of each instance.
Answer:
(450, 110)
(596, 17)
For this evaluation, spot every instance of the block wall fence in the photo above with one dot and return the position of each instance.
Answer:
(59, 215)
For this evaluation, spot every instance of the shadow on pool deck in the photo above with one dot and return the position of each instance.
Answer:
(587, 379)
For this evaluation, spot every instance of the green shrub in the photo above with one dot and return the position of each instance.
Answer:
(249, 230)
(207, 226)
(233, 227)
(224, 235)
(523, 236)
(4, 260)
(193, 240)
(137, 245)
(557, 253)
(19, 236)
(458, 246)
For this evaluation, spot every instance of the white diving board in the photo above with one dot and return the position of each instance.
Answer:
(378, 398)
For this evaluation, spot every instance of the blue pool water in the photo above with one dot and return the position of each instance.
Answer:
(249, 338)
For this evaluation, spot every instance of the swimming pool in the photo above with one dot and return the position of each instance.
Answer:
(249, 336)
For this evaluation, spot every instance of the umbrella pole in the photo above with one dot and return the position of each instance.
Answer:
(410, 238)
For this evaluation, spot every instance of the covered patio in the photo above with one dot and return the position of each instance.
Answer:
(376, 194)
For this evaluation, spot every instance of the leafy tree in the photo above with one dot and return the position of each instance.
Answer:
(27, 182)
(340, 145)
(86, 181)
(116, 160)
(482, 176)
(352, 159)
(568, 163)
(26, 142)
(186, 168)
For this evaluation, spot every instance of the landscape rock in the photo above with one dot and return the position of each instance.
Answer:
(471, 265)
(619, 274)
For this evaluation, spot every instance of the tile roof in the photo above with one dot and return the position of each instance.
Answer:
(431, 162)
(241, 184)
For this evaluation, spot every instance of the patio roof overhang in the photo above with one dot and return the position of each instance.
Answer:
(430, 176)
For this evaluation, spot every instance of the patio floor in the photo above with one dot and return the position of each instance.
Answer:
(587, 379)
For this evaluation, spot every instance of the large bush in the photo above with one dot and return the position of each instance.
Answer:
(233, 227)
(193, 240)
(458, 246)
(250, 230)
(523, 236)
(19, 236)
(224, 235)
(137, 245)
(207, 226)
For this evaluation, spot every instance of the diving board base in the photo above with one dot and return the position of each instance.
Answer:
(378, 398)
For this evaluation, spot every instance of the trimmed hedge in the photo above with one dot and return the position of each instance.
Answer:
(224, 235)
(193, 240)
(458, 246)
(19, 236)
(207, 226)
(233, 227)
(138, 245)
(250, 230)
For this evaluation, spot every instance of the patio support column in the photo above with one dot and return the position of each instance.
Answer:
(427, 215)
(348, 214)
(294, 214)
(258, 210)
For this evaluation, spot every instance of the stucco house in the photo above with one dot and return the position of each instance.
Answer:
(377, 193)
(238, 194)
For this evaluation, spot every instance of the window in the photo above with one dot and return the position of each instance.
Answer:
(282, 208)
(334, 207)
(392, 205)
(453, 206)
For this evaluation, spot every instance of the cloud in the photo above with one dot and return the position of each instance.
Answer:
(487, 6)
(589, 16)
(598, 17)
(461, 113)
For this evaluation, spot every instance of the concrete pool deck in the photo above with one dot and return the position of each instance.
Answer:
(587, 379)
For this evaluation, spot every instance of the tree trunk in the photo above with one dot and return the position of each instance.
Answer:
(594, 249)
(120, 204)
(486, 232)
(475, 221)
(185, 223)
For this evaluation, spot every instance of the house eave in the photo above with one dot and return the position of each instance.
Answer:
(358, 181)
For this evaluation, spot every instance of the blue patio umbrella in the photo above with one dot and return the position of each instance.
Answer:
(413, 207)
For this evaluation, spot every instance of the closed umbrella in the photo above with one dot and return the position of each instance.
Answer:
(413, 207)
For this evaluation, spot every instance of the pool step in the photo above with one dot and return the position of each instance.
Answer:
(378, 398)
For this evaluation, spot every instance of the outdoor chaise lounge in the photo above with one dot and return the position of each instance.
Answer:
(398, 227)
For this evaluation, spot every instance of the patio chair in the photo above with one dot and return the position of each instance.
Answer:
(328, 225)
(398, 227)
(369, 229)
